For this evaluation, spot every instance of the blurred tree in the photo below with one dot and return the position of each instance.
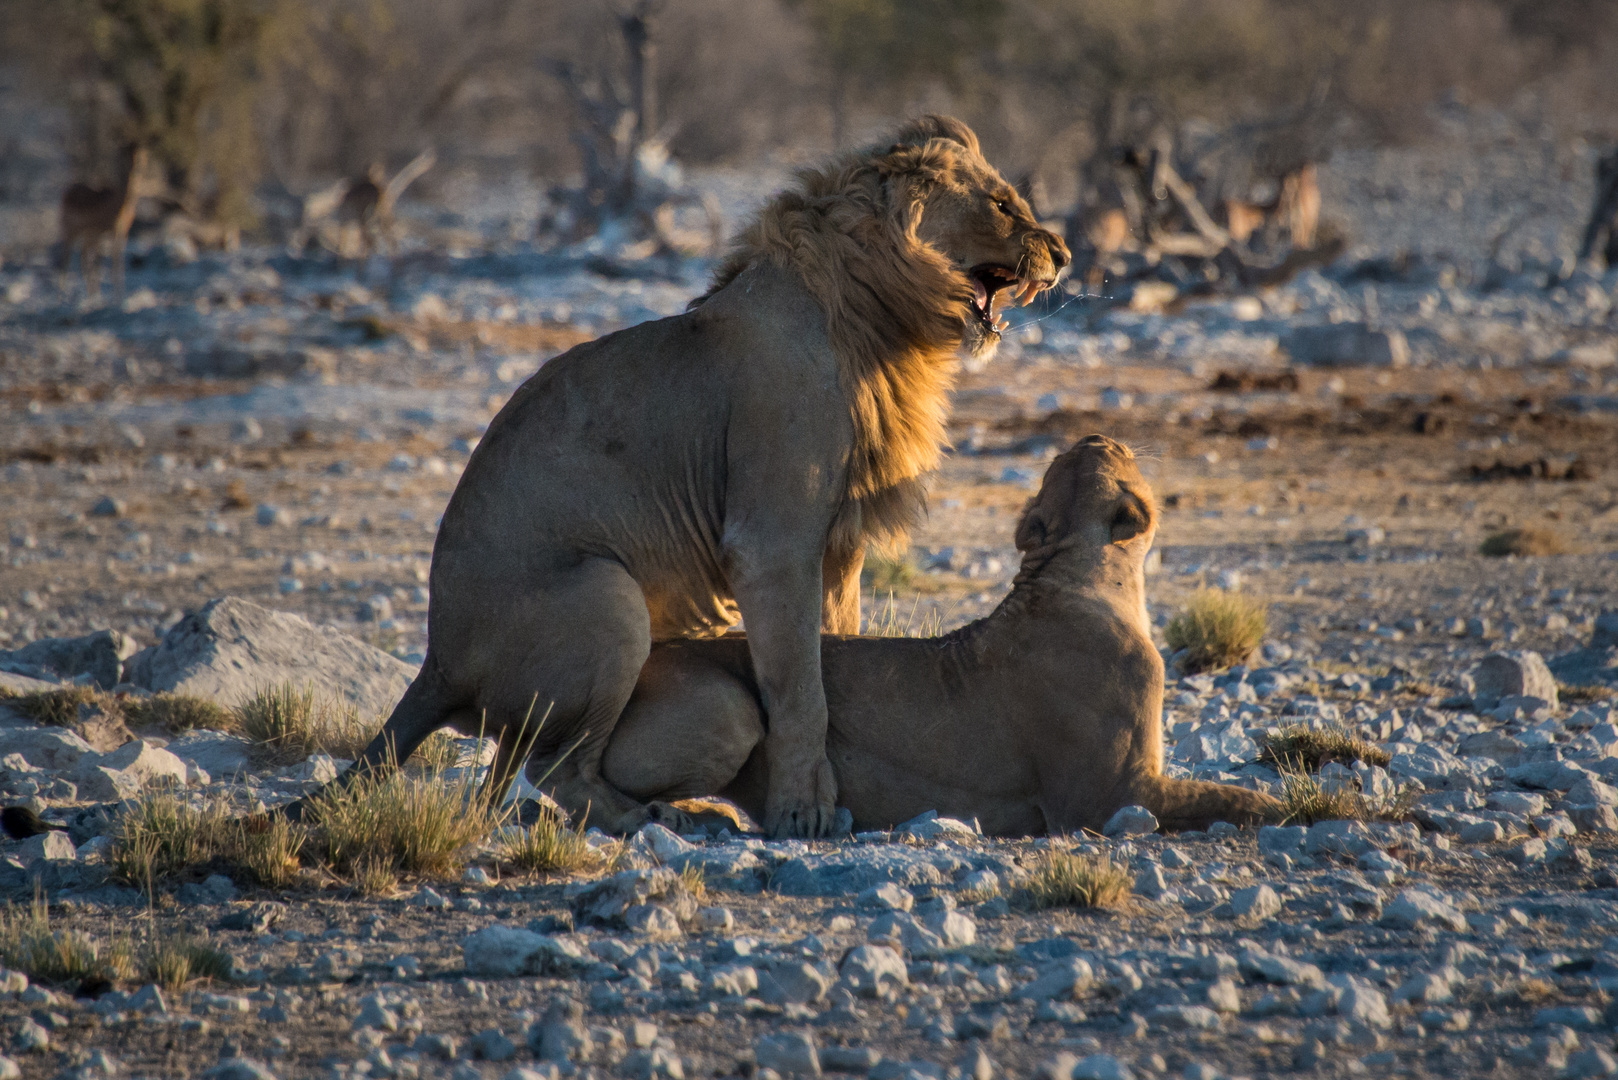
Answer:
(880, 45)
(185, 72)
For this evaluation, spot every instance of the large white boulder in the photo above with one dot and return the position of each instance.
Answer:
(232, 647)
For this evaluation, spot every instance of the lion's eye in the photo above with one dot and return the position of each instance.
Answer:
(1003, 206)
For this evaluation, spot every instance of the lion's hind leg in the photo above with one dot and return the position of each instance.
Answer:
(562, 668)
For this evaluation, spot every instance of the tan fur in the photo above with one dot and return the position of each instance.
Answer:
(729, 461)
(1043, 717)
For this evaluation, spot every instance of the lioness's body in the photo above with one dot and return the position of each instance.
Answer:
(731, 461)
(1043, 717)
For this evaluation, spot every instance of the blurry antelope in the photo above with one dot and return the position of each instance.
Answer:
(363, 205)
(91, 215)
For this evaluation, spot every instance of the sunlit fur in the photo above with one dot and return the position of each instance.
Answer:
(896, 305)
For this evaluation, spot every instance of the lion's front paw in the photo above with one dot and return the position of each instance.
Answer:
(803, 810)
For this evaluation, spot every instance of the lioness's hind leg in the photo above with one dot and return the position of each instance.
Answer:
(687, 732)
(1197, 804)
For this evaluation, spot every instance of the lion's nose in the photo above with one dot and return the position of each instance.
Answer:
(1059, 253)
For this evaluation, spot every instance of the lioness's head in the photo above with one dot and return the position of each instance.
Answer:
(1093, 496)
(959, 205)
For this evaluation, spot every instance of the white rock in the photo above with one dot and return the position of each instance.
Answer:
(127, 771)
(1506, 674)
(53, 845)
(506, 952)
(1413, 908)
(1255, 902)
(1062, 979)
(1130, 821)
(874, 971)
(232, 647)
(662, 843)
(790, 1053)
(57, 749)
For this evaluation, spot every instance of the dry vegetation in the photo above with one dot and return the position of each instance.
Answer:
(1312, 747)
(288, 723)
(162, 836)
(397, 823)
(63, 957)
(1306, 800)
(1217, 629)
(549, 846)
(1066, 879)
(228, 93)
(1528, 541)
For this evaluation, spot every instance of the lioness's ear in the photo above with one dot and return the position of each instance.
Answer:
(1031, 530)
(1129, 520)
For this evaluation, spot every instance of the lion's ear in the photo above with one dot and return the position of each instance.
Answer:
(1031, 530)
(933, 126)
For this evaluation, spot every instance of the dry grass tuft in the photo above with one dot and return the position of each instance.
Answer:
(289, 723)
(549, 847)
(889, 621)
(1064, 879)
(175, 963)
(162, 836)
(1586, 693)
(1217, 629)
(1314, 747)
(29, 944)
(59, 708)
(412, 823)
(373, 875)
(178, 713)
(1305, 800)
(695, 880)
(1529, 541)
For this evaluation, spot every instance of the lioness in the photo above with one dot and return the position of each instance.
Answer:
(1045, 716)
(736, 459)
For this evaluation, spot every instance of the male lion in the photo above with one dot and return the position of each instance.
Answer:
(1045, 716)
(734, 459)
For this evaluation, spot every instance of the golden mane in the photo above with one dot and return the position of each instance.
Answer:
(893, 307)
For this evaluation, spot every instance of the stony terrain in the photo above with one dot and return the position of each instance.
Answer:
(285, 432)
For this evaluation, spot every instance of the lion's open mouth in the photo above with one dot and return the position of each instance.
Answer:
(994, 288)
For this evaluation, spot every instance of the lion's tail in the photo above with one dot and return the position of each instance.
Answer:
(1196, 804)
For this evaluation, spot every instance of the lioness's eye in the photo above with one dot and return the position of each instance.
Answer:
(1003, 206)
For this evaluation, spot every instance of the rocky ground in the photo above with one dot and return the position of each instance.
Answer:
(286, 431)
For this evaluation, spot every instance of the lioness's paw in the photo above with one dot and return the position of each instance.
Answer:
(671, 818)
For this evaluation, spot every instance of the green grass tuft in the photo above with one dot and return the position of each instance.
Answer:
(162, 836)
(1305, 800)
(1065, 879)
(1217, 629)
